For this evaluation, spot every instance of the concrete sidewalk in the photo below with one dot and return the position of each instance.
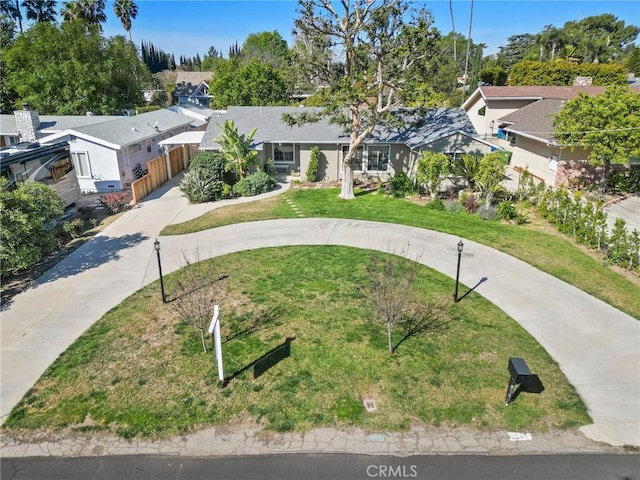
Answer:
(596, 346)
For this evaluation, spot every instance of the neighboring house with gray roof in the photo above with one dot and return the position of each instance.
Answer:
(110, 155)
(386, 151)
(193, 87)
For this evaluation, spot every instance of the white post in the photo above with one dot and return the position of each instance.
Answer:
(214, 330)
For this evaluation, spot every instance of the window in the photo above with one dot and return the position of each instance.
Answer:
(373, 158)
(482, 111)
(148, 146)
(378, 158)
(81, 162)
(454, 156)
(283, 153)
(358, 161)
(136, 147)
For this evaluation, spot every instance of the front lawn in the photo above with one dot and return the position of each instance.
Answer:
(140, 371)
(553, 254)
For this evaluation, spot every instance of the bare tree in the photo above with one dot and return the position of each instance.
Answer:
(199, 288)
(391, 292)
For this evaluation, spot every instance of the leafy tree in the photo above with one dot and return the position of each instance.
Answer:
(432, 169)
(267, 47)
(40, 10)
(633, 60)
(599, 38)
(518, 48)
(490, 174)
(126, 11)
(26, 215)
(494, 75)
(235, 148)
(248, 83)
(608, 125)
(69, 70)
(383, 50)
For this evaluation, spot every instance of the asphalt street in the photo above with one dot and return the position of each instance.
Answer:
(334, 467)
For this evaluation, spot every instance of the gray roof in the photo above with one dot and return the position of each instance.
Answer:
(419, 127)
(127, 130)
(535, 120)
(54, 123)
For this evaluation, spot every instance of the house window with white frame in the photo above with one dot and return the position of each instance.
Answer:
(358, 160)
(283, 153)
(378, 158)
(81, 163)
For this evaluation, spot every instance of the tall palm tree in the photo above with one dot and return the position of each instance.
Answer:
(453, 26)
(12, 10)
(466, 62)
(40, 10)
(126, 10)
(91, 11)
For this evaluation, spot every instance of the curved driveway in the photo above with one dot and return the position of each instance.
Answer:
(596, 346)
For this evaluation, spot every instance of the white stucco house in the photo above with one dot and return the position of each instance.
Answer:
(108, 152)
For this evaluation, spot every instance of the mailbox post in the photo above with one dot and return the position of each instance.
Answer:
(519, 373)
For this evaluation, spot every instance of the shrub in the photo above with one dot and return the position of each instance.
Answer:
(312, 169)
(401, 185)
(73, 227)
(254, 184)
(199, 187)
(209, 163)
(114, 202)
(470, 203)
(507, 211)
(453, 206)
(487, 212)
(435, 204)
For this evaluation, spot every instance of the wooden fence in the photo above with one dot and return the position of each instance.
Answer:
(157, 175)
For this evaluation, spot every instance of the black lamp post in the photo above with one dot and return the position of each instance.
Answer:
(455, 294)
(156, 245)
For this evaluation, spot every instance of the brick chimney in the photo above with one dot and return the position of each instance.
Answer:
(27, 123)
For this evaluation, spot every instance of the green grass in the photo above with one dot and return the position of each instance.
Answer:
(139, 371)
(553, 254)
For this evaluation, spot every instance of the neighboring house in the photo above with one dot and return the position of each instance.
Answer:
(200, 114)
(520, 119)
(386, 151)
(110, 155)
(193, 87)
(48, 164)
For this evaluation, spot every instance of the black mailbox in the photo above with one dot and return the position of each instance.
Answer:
(519, 370)
(518, 373)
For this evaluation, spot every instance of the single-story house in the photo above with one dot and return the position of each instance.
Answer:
(389, 149)
(193, 87)
(520, 120)
(110, 155)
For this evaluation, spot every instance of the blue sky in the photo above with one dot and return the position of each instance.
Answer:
(188, 27)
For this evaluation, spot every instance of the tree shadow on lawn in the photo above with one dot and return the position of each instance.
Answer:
(265, 362)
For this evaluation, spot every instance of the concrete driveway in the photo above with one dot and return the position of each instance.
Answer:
(627, 209)
(596, 346)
